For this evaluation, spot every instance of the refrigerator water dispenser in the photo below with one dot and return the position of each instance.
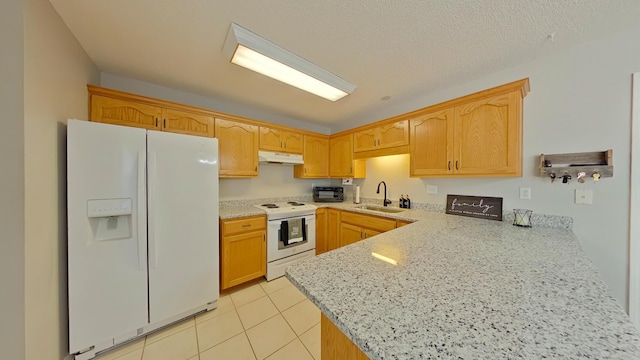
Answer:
(110, 218)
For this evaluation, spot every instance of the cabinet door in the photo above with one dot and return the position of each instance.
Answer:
(431, 145)
(365, 140)
(316, 158)
(238, 144)
(488, 136)
(321, 231)
(293, 142)
(350, 234)
(244, 258)
(121, 112)
(341, 156)
(378, 223)
(270, 139)
(369, 233)
(395, 134)
(280, 141)
(183, 122)
(333, 229)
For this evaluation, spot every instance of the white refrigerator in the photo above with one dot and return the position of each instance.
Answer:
(143, 249)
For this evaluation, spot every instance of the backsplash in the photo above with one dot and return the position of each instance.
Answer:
(537, 220)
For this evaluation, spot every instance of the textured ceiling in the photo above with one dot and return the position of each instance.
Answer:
(398, 48)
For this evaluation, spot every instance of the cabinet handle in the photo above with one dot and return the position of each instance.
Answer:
(246, 225)
(264, 237)
(165, 124)
(449, 165)
(256, 168)
(285, 145)
(305, 170)
(351, 170)
(457, 168)
(374, 142)
(156, 122)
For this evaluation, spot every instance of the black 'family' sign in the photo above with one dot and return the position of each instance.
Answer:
(475, 206)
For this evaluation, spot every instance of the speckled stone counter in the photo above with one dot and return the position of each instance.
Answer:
(468, 288)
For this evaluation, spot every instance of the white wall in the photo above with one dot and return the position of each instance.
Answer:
(580, 101)
(112, 81)
(274, 181)
(12, 322)
(57, 71)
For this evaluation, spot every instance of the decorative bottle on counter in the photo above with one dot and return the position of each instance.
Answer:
(407, 202)
(401, 201)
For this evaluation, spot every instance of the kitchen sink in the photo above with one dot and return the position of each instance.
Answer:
(379, 208)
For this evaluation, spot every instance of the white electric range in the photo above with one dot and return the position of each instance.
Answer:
(291, 235)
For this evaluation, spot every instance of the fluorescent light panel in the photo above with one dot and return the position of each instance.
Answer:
(253, 52)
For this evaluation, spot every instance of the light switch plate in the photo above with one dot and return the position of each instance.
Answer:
(525, 193)
(584, 196)
(347, 181)
(432, 189)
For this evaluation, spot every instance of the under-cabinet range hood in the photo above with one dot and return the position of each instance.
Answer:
(267, 157)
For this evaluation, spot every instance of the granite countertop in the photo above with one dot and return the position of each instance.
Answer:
(467, 288)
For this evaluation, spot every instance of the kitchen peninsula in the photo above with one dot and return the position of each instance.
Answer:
(450, 287)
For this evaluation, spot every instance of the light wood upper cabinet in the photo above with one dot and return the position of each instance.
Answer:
(316, 158)
(479, 135)
(488, 136)
(122, 112)
(280, 140)
(184, 122)
(243, 250)
(238, 144)
(341, 162)
(382, 137)
(432, 143)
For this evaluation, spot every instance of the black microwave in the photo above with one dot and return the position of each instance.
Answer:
(328, 194)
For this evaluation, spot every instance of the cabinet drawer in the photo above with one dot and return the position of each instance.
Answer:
(245, 224)
(368, 221)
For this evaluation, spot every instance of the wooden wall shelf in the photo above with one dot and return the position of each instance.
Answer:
(558, 165)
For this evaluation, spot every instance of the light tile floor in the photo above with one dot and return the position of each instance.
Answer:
(259, 320)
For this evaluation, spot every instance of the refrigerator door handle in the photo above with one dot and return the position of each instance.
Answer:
(142, 200)
(151, 221)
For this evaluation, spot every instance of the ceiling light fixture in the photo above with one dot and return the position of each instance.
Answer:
(255, 53)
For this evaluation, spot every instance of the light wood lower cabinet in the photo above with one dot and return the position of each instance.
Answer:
(333, 229)
(335, 345)
(356, 226)
(243, 250)
(321, 231)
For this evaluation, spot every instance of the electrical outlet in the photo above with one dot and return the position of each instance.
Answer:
(432, 189)
(525, 193)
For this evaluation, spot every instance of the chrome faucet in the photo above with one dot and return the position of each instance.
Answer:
(386, 201)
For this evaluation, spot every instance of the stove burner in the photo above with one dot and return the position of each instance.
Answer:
(295, 203)
(270, 206)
